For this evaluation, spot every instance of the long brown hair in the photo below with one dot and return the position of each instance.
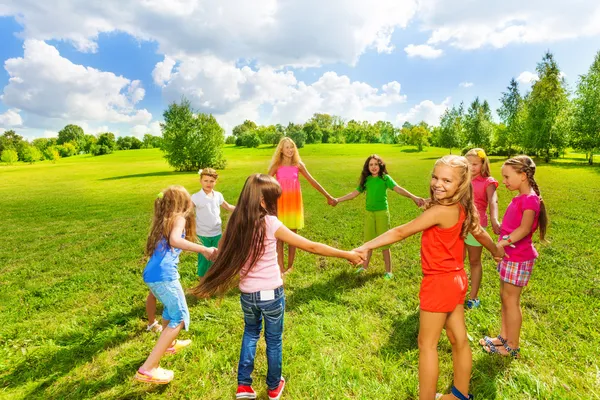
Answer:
(366, 173)
(463, 195)
(485, 162)
(278, 156)
(525, 165)
(243, 240)
(171, 203)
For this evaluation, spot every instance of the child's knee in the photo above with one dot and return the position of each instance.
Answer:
(426, 344)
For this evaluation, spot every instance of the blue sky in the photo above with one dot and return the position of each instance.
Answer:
(292, 70)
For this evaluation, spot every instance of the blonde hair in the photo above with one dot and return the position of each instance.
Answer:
(463, 195)
(171, 203)
(208, 172)
(485, 162)
(278, 156)
(525, 165)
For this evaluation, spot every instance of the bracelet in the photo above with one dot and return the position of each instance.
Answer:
(509, 240)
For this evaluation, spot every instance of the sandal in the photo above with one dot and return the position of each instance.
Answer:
(158, 376)
(178, 345)
(487, 341)
(456, 393)
(154, 327)
(510, 352)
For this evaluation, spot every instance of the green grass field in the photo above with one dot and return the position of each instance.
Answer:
(72, 318)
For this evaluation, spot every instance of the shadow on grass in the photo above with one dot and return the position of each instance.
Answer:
(146, 175)
(47, 367)
(329, 291)
(403, 338)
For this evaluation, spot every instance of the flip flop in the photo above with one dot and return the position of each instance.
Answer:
(487, 341)
(159, 376)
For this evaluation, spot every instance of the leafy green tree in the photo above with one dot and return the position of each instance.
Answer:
(586, 116)
(418, 136)
(32, 154)
(191, 141)
(354, 132)
(451, 128)
(387, 132)
(72, 133)
(52, 154)
(124, 143)
(230, 139)
(9, 156)
(295, 132)
(243, 128)
(510, 112)
(251, 140)
(90, 141)
(547, 99)
(41, 143)
(478, 125)
(151, 142)
(10, 140)
(67, 149)
(312, 131)
(105, 144)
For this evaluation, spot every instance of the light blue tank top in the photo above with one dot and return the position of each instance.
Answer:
(162, 265)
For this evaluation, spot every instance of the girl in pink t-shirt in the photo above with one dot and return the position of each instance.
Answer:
(484, 194)
(525, 213)
(249, 252)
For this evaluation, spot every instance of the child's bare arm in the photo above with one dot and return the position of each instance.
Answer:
(403, 192)
(486, 241)
(177, 241)
(227, 206)
(523, 230)
(293, 239)
(426, 220)
(492, 197)
(313, 181)
(349, 196)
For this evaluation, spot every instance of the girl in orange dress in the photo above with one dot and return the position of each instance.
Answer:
(449, 215)
(286, 167)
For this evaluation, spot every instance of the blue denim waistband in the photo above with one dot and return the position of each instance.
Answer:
(256, 295)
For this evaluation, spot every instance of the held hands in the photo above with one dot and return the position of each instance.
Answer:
(332, 201)
(211, 253)
(362, 252)
(419, 201)
(355, 258)
(499, 253)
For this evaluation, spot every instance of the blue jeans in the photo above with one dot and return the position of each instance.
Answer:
(255, 310)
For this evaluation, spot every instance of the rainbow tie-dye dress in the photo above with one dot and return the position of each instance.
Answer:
(290, 210)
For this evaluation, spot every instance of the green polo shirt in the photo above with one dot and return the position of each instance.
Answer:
(376, 188)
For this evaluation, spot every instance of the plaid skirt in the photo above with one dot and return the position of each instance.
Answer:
(515, 272)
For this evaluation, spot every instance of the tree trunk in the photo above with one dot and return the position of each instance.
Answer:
(591, 159)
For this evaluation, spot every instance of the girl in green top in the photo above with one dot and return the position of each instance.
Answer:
(375, 180)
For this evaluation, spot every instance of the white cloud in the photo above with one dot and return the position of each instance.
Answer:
(423, 51)
(233, 94)
(426, 111)
(11, 118)
(527, 77)
(140, 130)
(49, 87)
(273, 32)
(466, 84)
(471, 25)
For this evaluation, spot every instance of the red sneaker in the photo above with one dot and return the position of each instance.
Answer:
(275, 394)
(245, 392)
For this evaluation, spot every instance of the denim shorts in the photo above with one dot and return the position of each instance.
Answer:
(170, 293)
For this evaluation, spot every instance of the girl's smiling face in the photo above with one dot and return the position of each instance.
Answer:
(374, 167)
(444, 182)
(288, 150)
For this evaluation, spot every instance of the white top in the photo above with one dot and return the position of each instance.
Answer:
(208, 213)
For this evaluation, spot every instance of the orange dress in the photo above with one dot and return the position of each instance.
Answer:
(445, 282)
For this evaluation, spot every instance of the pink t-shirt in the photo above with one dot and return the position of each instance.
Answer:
(480, 185)
(265, 275)
(523, 250)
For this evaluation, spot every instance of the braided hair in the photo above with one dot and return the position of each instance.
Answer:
(525, 165)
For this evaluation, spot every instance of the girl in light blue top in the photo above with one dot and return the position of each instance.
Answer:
(173, 230)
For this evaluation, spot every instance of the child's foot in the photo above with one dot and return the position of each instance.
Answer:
(473, 303)
(388, 276)
(488, 341)
(360, 270)
(276, 393)
(157, 376)
(504, 351)
(245, 392)
(154, 327)
(178, 345)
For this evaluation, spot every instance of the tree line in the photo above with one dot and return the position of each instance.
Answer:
(543, 122)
